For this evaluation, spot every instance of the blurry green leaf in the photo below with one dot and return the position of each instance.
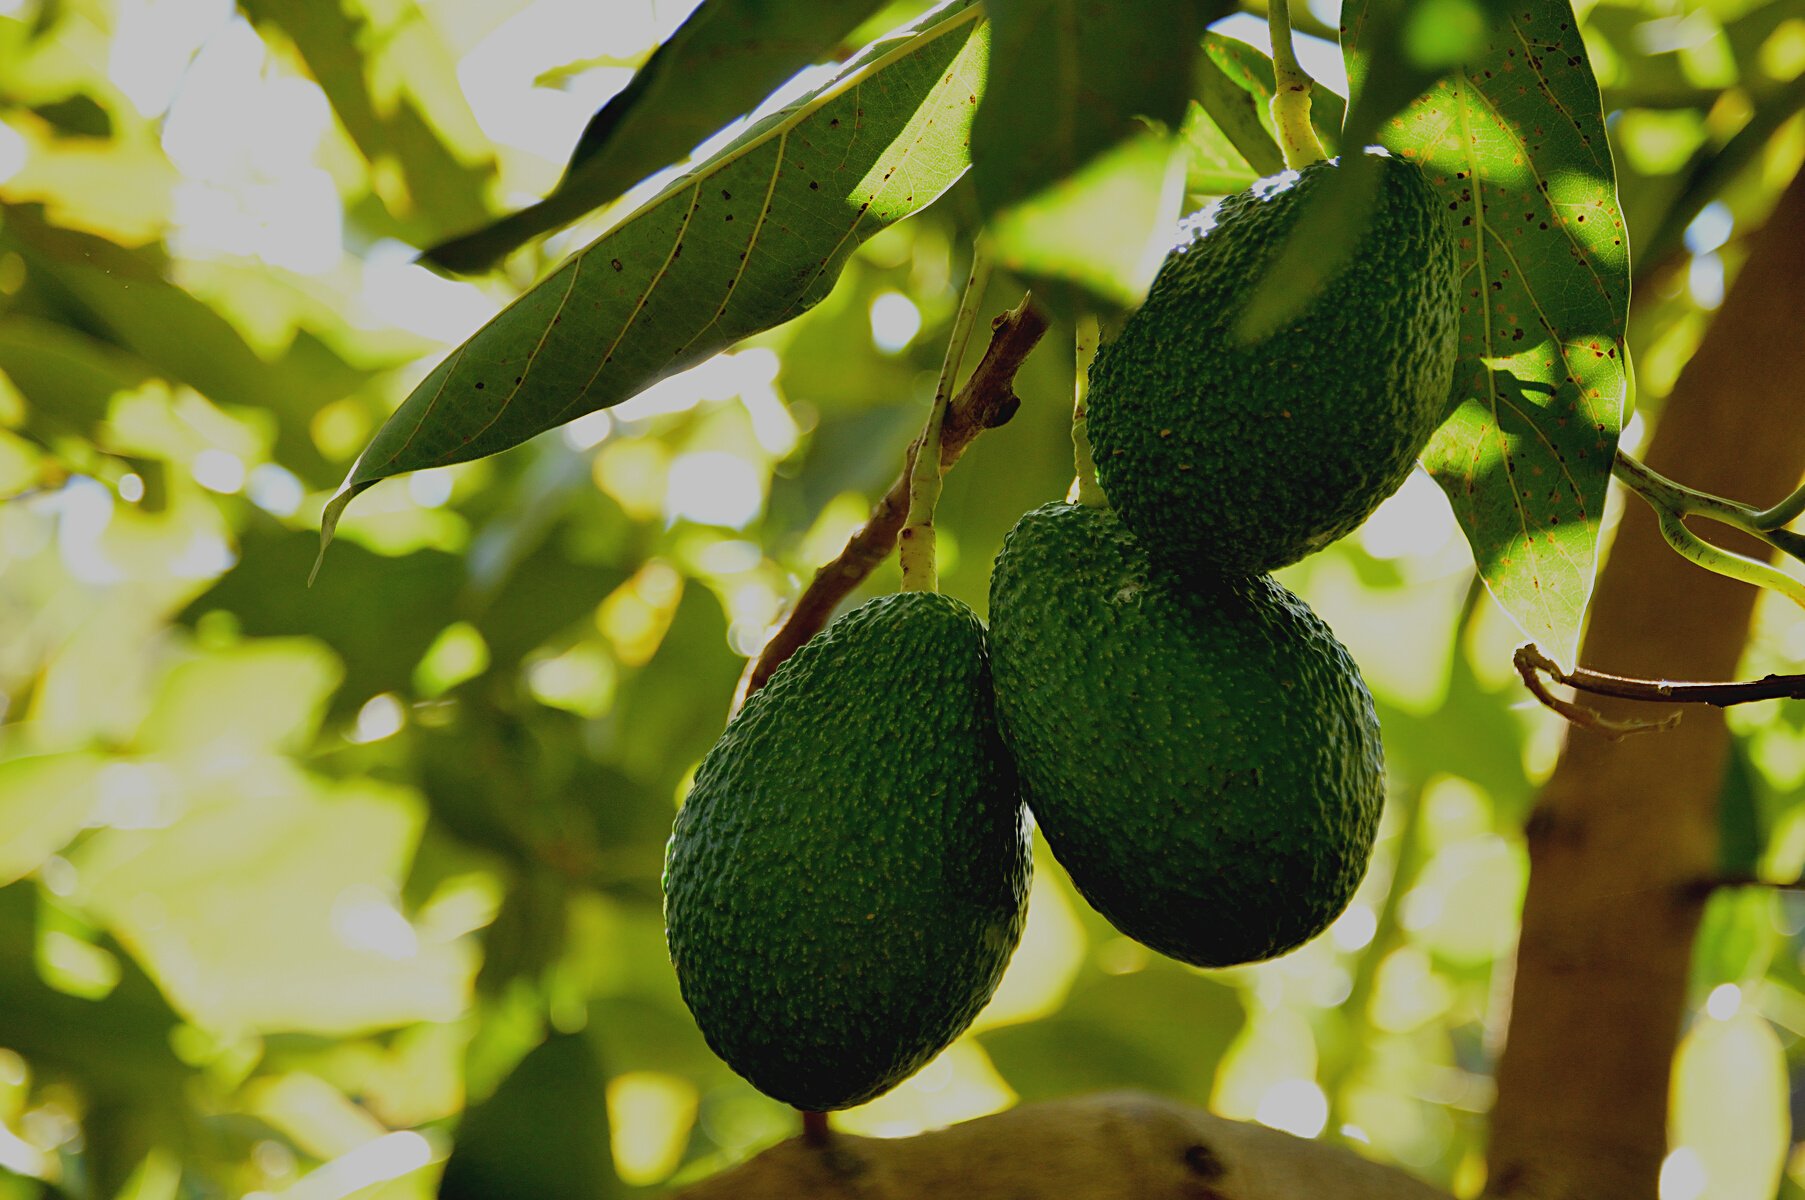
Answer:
(122, 295)
(744, 48)
(66, 377)
(45, 800)
(543, 1135)
(254, 697)
(1737, 938)
(79, 115)
(1093, 239)
(1741, 837)
(116, 1049)
(379, 613)
(332, 39)
(1162, 1027)
(274, 904)
(671, 711)
(1514, 141)
(1070, 80)
(747, 240)
(527, 935)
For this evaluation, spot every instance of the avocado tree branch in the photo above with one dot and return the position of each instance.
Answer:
(1114, 1146)
(987, 400)
(1531, 662)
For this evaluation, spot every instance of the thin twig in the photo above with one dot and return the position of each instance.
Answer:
(1531, 664)
(987, 400)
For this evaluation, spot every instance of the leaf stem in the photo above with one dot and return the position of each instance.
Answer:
(916, 549)
(1084, 488)
(1291, 93)
(1674, 502)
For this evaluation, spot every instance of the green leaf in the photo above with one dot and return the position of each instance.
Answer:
(747, 240)
(1515, 143)
(543, 1135)
(1069, 80)
(1162, 1027)
(744, 48)
(1093, 241)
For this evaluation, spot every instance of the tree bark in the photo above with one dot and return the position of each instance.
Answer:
(1115, 1146)
(1623, 840)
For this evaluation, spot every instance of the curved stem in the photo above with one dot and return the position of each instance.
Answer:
(1084, 487)
(1291, 93)
(1674, 502)
(916, 550)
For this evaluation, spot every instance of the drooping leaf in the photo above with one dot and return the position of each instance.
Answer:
(1514, 141)
(743, 48)
(1069, 80)
(747, 240)
(543, 1135)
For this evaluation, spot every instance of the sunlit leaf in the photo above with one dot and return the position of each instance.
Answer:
(45, 800)
(1094, 239)
(745, 48)
(747, 240)
(1514, 142)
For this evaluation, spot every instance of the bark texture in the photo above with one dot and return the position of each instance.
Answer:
(1114, 1146)
(1623, 840)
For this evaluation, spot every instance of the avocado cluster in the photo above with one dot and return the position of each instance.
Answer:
(847, 878)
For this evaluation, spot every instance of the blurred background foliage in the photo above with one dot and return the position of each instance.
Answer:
(353, 891)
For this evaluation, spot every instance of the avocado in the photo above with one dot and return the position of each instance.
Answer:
(1203, 760)
(1227, 455)
(848, 876)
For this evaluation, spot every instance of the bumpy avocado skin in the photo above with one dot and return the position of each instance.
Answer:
(849, 874)
(1205, 762)
(1227, 456)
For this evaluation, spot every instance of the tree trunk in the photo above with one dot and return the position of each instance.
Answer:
(1623, 840)
(1117, 1146)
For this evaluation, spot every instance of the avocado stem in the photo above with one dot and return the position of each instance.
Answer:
(1084, 487)
(915, 548)
(1291, 93)
(815, 1129)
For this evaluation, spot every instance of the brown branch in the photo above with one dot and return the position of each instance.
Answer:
(1117, 1146)
(987, 400)
(1531, 663)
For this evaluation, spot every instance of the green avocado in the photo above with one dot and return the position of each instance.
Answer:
(1233, 456)
(1203, 760)
(848, 876)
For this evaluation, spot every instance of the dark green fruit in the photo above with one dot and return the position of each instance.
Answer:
(1204, 761)
(1233, 456)
(848, 876)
